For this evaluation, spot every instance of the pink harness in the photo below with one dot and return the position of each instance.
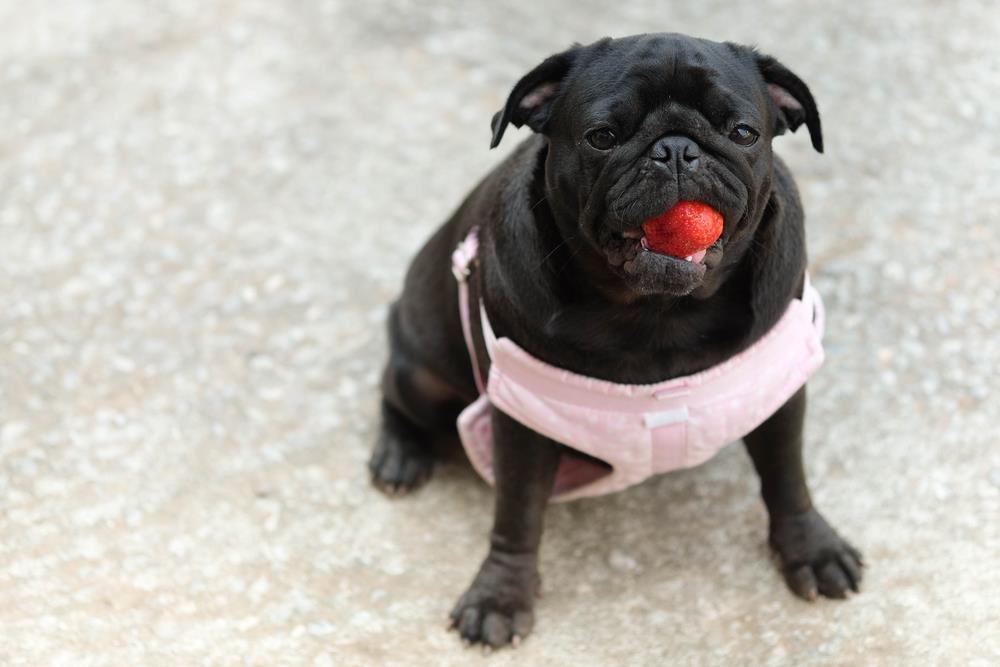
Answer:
(635, 430)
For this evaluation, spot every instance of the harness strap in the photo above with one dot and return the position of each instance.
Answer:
(461, 266)
(464, 256)
(813, 302)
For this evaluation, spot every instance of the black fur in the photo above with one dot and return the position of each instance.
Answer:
(556, 276)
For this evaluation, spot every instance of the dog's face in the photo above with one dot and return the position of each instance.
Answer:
(635, 125)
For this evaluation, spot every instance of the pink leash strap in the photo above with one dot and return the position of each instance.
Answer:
(461, 266)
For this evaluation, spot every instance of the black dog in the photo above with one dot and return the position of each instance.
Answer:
(626, 128)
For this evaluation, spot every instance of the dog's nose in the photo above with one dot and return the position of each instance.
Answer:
(678, 151)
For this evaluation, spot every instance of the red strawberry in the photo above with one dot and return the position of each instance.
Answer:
(687, 228)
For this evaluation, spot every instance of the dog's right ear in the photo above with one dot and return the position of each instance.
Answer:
(531, 99)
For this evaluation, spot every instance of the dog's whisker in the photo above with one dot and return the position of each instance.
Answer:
(567, 262)
(553, 251)
(544, 198)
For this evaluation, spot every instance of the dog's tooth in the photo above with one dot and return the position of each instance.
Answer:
(689, 258)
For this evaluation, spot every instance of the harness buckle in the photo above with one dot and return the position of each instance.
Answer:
(461, 273)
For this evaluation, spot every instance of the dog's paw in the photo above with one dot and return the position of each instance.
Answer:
(399, 465)
(814, 558)
(498, 607)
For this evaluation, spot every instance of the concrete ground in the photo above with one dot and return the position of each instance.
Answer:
(205, 209)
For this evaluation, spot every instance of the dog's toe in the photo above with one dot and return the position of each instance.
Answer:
(496, 629)
(468, 624)
(398, 466)
(802, 582)
(852, 564)
(832, 580)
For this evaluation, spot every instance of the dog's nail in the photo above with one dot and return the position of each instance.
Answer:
(487, 649)
(515, 641)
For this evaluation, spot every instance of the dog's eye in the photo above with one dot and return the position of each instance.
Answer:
(603, 139)
(744, 135)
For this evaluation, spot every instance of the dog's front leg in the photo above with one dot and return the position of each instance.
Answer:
(814, 558)
(498, 607)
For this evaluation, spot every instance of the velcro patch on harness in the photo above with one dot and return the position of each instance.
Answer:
(665, 417)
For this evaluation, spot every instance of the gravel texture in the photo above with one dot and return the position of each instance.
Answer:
(205, 209)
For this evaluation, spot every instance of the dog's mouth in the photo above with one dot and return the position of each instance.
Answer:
(651, 272)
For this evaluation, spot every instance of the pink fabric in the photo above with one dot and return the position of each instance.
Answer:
(461, 264)
(639, 430)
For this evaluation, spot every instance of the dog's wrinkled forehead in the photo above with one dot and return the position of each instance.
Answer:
(635, 75)
(631, 76)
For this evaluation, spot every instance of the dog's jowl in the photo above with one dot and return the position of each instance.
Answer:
(576, 360)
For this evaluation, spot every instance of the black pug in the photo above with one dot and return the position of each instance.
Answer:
(625, 129)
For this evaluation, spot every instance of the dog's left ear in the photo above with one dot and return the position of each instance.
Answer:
(531, 99)
(792, 97)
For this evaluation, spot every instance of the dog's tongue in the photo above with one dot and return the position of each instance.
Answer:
(697, 257)
(685, 231)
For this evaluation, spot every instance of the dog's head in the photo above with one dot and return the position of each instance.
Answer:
(635, 125)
